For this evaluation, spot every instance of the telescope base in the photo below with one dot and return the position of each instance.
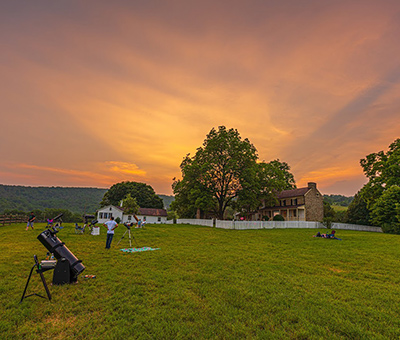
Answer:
(62, 273)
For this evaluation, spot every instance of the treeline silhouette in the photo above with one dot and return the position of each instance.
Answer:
(22, 198)
(17, 199)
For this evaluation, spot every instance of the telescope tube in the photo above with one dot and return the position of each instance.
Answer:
(54, 245)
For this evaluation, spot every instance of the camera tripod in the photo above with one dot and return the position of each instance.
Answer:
(128, 230)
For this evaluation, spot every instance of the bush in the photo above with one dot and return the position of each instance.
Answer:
(118, 220)
(327, 222)
(278, 218)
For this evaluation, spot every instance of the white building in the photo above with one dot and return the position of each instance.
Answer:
(149, 215)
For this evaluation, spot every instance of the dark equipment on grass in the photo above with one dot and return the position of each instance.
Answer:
(68, 266)
(128, 230)
(86, 219)
(40, 269)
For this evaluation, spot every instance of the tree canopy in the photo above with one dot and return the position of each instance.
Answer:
(130, 205)
(382, 170)
(24, 198)
(378, 199)
(224, 172)
(143, 193)
(358, 212)
(385, 210)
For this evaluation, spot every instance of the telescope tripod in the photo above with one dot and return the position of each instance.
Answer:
(39, 270)
(130, 236)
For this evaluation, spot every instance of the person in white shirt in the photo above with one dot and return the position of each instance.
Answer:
(110, 225)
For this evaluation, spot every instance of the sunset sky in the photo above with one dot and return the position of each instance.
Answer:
(97, 92)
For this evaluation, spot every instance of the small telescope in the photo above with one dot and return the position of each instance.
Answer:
(58, 224)
(68, 266)
(128, 225)
(58, 217)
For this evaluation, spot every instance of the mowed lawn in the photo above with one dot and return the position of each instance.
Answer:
(206, 283)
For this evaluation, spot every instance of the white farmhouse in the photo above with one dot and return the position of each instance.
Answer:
(149, 215)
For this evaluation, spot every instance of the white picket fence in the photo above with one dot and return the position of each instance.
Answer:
(206, 223)
(244, 225)
(345, 226)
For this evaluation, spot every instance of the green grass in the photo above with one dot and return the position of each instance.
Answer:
(207, 283)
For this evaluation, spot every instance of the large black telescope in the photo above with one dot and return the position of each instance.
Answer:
(68, 266)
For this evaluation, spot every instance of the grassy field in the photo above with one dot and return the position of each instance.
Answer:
(339, 208)
(206, 283)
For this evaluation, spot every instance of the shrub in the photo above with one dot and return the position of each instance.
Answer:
(278, 218)
(327, 222)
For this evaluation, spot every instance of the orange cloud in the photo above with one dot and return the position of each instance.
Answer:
(125, 168)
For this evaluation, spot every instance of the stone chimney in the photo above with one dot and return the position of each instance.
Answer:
(312, 185)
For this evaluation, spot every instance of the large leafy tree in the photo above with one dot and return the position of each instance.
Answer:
(385, 210)
(224, 172)
(267, 180)
(383, 172)
(143, 193)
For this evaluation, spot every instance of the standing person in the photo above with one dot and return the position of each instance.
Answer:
(110, 225)
(31, 221)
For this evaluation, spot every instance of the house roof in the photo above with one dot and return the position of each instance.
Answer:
(152, 212)
(292, 193)
(112, 206)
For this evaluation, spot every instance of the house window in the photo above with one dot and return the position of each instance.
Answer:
(129, 217)
(295, 201)
(294, 213)
(159, 219)
(105, 215)
(110, 215)
(283, 203)
(100, 215)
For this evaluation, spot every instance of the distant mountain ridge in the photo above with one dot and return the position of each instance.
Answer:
(75, 199)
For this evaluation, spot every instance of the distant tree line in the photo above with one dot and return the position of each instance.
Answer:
(77, 200)
(23, 199)
(343, 201)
